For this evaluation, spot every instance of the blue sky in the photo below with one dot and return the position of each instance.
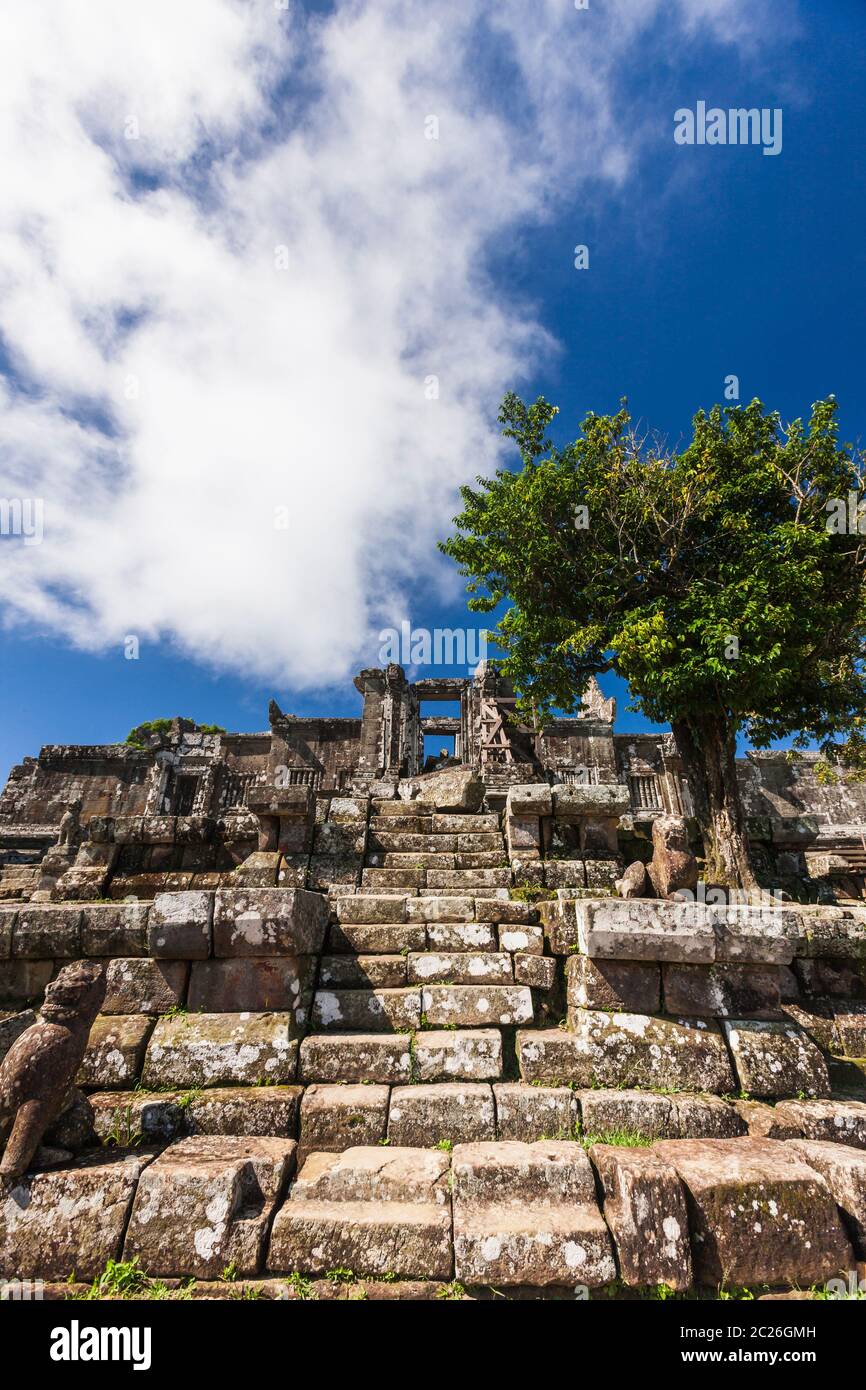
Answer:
(703, 262)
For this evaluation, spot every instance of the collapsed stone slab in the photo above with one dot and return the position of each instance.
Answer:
(206, 1203)
(844, 1170)
(526, 1214)
(757, 1213)
(645, 1209)
(68, 1220)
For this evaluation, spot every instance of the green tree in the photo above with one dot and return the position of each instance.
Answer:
(724, 582)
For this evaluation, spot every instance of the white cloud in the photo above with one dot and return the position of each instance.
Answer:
(149, 264)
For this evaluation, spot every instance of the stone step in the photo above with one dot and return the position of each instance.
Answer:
(460, 967)
(411, 1240)
(527, 1214)
(362, 972)
(461, 936)
(415, 809)
(454, 1054)
(452, 1112)
(418, 859)
(393, 878)
(378, 907)
(376, 938)
(358, 1057)
(473, 1006)
(475, 843)
(378, 1210)
(404, 843)
(477, 891)
(484, 859)
(415, 825)
(468, 878)
(367, 1010)
(457, 823)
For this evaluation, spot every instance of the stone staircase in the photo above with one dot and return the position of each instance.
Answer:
(425, 965)
(414, 849)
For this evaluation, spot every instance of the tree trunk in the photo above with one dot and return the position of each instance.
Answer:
(707, 746)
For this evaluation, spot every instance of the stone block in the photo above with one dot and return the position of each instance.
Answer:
(366, 910)
(757, 1213)
(255, 985)
(206, 1203)
(837, 1121)
(608, 799)
(46, 933)
(523, 835)
(325, 870)
(537, 971)
(643, 929)
(225, 1049)
(474, 1006)
(334, 1118)
(340, 840)
(366, 1173)
(12, 1025)
(760, 935)
(269, 922)
(136, 986)
(726, 990)
(460, 967)
(115, 1051)
(529, 940)
(461, 936)
(817, 1018)
(458, 909)
(645, 1209)
(126, 1118)
(606, 1112)
(764, 1121)
(382, 1057)
(367, 1010)
(377, 939)
(844, 1170)
(468, 879)
(623, 1049)
(628, 985)
(362, 972)
(381, 1210)
(564, 873)
(525, 1214)
(850, 1022)
(114, 929)
(529, 1113)
(458, 1055)
(832, 932)
(179, 926)
(252, 1110)
(529, 799)
(455, 1111)
(506, 912)
(348, 810)
(68, 1219)
(706, 1117)
(23, 981)
(826, 976)
(7, 918)
(776, 1059)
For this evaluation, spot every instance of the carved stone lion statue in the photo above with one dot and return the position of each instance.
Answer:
(38, 1071)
